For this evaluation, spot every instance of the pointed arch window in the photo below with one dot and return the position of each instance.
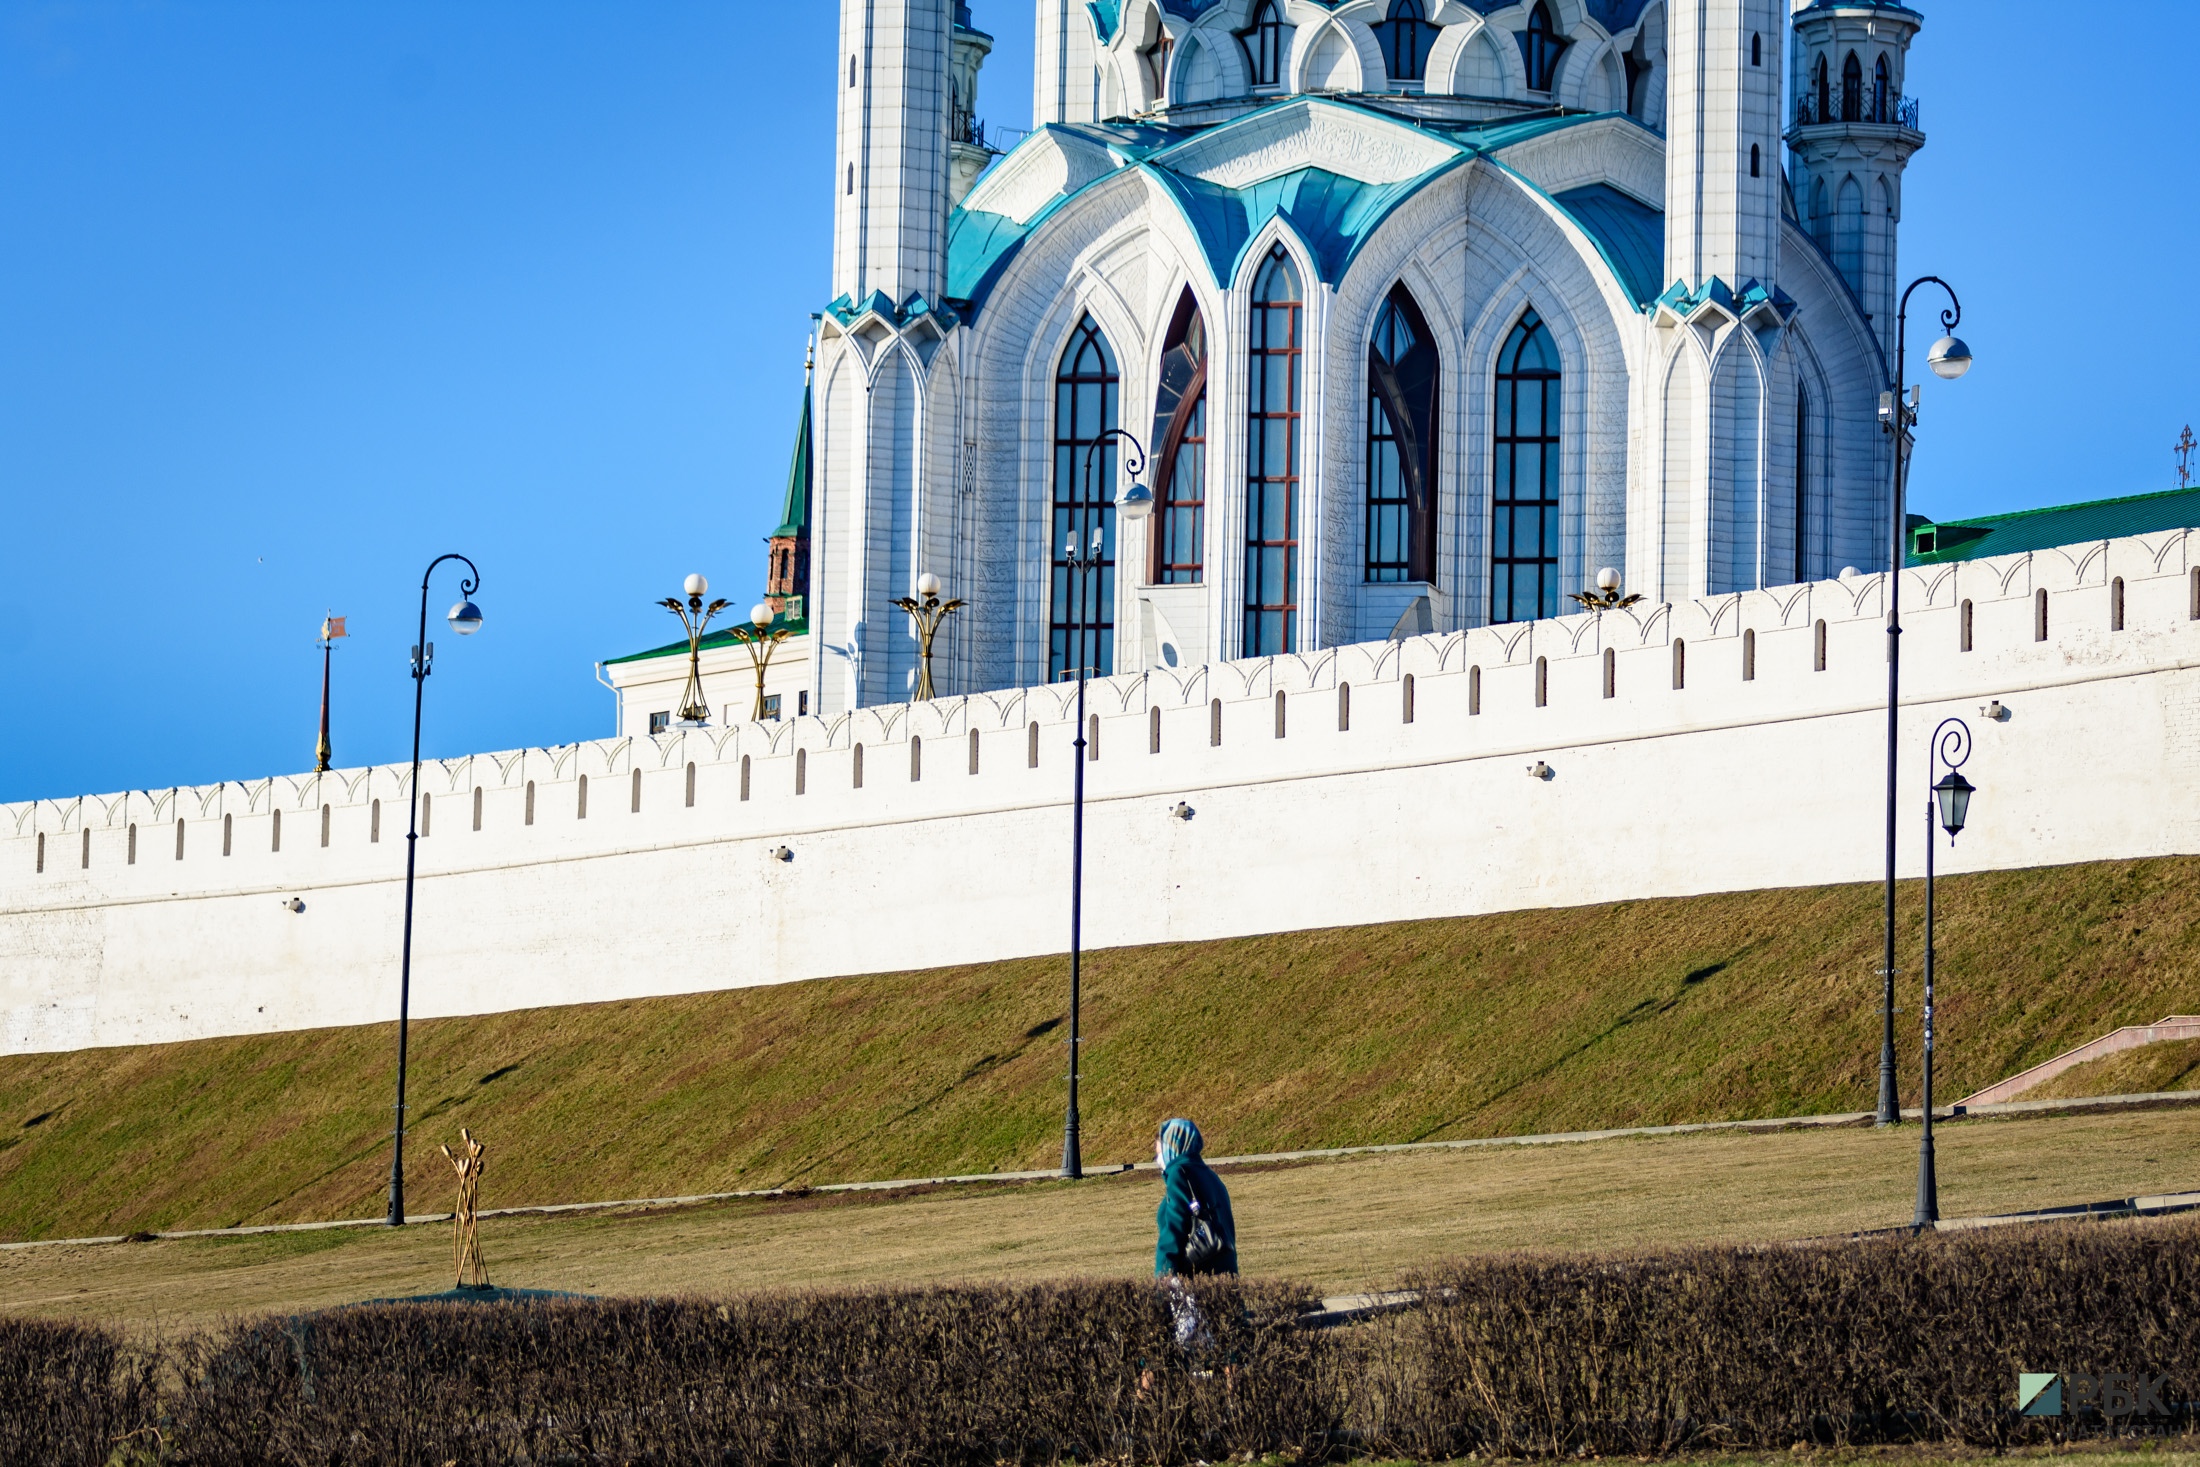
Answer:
(1180, 434)
(1272, 461)
(1825, 94)
(1401, 443)
(1524, 528)
(1540, 47)
(1882, 103)
(1266, 42)
(1406, 38)
(1852, 89)
(1080, 615)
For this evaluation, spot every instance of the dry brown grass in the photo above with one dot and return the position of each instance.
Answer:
(1718, 1007)
(2147, 1070)
(1352, 1224)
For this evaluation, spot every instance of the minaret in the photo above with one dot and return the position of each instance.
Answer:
(1722, 143)
(1065, 65)
(1852, 138)
(891, 169)
(967, 152)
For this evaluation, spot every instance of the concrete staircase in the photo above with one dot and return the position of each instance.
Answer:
(2131, 1036)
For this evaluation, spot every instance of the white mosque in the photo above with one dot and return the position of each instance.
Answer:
(1411, 314)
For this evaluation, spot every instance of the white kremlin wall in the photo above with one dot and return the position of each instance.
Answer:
(1368, 783)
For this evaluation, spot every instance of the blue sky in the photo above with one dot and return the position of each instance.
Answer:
(295, 297)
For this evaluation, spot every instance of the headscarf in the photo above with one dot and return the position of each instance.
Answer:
(1179, 1137)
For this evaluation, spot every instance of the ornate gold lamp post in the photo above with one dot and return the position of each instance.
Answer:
(1606, 596)
(927, 611)
(695, 616)
(762, 640)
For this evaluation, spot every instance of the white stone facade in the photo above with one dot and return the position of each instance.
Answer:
(1730, 742)
(1720, 362)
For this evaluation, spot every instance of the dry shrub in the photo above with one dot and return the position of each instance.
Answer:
(1872, 1341)
(974, 1375)
(69, 1393)
(1885, 1340)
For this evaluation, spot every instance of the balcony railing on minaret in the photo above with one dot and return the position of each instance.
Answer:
(1872, 108)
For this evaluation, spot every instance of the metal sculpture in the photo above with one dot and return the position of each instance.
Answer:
(466, 1220)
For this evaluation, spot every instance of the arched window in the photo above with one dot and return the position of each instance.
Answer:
(1824, 112)
(1474, 690)
(1092, 739)
(1272, 466)
(1524, 531)
(1282, 719)
(1031, 752)
(1265, 44)
(744, 776)
(1406, 713)
(1081, 622)
(133, 840)
(1180, 436)
(1344, 708)
(2116, 604)
(2039, 634)
(1540, 48)
(916, 759)
(324, 835)
(1964, 627)
(1542, 682)
(1755, 161)
(859, 767)
(691, 784)
(634, 799)
(973, 751)
(1882, 102)
(802, 771)
(1818, 647)
(1680, 664)
(851, 180)
(1214, 721)
(580, 799)
(1611, 673)
(274, 839)
(1852, 89)
(1153, 730)
(1401, 444)
(477, 806)
(229, 828)
(529, 817)
(1749, 656)
(1406, 38)
(1756, 48)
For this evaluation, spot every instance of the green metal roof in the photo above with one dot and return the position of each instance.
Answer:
(795, 628)
(1332, 215)
(1978, 536)
(794, 514)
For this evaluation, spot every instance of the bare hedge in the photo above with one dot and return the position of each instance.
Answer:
(1537, 1356)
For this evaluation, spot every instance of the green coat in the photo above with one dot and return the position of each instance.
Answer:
(1188, 1178)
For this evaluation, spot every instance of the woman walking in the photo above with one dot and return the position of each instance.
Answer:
(1195, 1232)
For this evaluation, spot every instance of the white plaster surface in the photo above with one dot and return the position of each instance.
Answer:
(1719, 785)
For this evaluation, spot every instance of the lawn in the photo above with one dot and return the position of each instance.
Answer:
(1729, 1006)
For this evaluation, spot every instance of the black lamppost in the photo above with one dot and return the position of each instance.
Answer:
(1950, 803)
(1084, 559)
(1949, 359)
(465, 619)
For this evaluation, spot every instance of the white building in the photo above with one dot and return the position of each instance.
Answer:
(1424, 310)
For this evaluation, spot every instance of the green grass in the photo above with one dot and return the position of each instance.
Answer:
(1718, 1007)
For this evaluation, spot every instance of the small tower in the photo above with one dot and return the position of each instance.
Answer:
(787, 584)
(891, 165)
(1722, 130)
(1852, 135)
(967, 153)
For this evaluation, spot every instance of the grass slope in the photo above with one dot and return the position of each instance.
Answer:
(1726, 1006)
